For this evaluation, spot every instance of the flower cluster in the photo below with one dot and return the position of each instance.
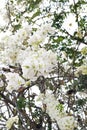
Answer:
(23, 48)
(84, 50)
(83, 68)
(70, 21)
(37, 63)
(67, 123)
(56, 112)
(12, 44)
(14, 81)
(40, 35)
(10, 122)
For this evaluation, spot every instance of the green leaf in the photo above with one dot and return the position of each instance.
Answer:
(16, 27)
(36, 14)
(21, 103)
(81, 102)
(82, 81)
(58, 19)
(60, 39)
(60, 107)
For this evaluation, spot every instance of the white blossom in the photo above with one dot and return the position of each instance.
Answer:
(14, 81)
(11, 45)
(52, 107)
(70, 24)
(23, 33)
(41, 34)
(40, 62)
(66, 123)
(57, 112)
(81, 70)
(10, 122)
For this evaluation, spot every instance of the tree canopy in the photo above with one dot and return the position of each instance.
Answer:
(43, 65)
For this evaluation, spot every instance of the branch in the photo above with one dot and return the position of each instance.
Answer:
(81, 40)
(7, 100)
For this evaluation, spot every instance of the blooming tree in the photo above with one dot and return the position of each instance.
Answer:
(43, 65)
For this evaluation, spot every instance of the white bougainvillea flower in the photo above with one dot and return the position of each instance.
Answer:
(84, 50)
(70, 24)
(37, 63)
(51, 106)
(14, 81)
(66, 123)
(10, 122)
(81, 70)
(56, 111)
(41, 34)
(12, 45)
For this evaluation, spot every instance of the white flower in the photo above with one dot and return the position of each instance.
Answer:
(52, 107)
(66, 123)
(23, 33)
(81, 95)
(37, 63)
(9, 55)
(4, 19)
(10, 122)
(82, 69)
(10, 49)
(36, 39)
(56, 112)
(14, 81)
(41, 34)
(11, 45)
(47, 28)
(70, 24)
(84, 50)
